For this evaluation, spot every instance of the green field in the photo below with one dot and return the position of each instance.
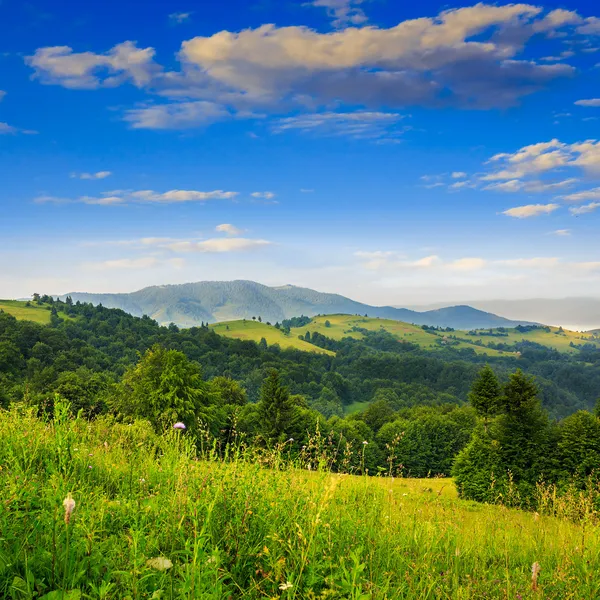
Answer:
(555, 338)
(155, 519)
(253, 330)
(20, 310)
(341, 326)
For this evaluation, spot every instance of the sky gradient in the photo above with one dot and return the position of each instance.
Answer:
(396, 154)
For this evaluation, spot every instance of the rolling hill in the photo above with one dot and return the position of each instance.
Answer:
(190, 304)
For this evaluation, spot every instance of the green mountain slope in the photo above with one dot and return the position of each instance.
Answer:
(214, 301)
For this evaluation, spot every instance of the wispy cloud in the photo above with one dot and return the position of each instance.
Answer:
(179, 17)
(591, 102)
(142, 263)
(586, 208)
(228, 229)
(263, 195)
(124, 197)
(561, 232)
(531, 210)
(343, 13)
(97, 175)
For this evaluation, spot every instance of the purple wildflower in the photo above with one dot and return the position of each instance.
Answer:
(180, 426)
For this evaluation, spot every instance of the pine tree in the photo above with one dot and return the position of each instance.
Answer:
(485, 394)
(277, 410)
(520, 394)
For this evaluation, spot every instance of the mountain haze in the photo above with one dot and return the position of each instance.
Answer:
(580, 314)
(190, 304)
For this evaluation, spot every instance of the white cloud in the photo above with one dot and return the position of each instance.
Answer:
(592, 102)
(264, 195)
(179, 17)
(124, 197)
(342, 12)
(531, 210)
(228, 229)
(531, 263)
(87, 70)
(516, 185)
(178, 115)
(5, 129)
(473, 57)
(145, 262)
(586, 208)
(561, 232)
(467, 264)
(358, 125)
(583, 196)
(458, 175)
(218, 245)
(98, 175)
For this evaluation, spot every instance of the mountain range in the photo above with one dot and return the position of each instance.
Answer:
(190, 304)
(576, 313)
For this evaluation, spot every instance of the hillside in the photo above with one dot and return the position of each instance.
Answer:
(27, 311)
(190, 304)
(254, 331)
(169, 522)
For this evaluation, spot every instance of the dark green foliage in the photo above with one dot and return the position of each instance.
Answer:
(277, 410)
(485, 393)
(164, 387)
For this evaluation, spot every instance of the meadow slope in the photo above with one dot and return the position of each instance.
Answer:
(155, 518)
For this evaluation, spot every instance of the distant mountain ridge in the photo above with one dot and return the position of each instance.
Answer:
(189, 304)
(575, 313)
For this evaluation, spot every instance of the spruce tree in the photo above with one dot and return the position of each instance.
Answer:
(277, 410)
(485, 394)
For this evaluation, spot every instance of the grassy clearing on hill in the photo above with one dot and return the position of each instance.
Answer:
(253, 330)
(20, 310)
(153, 519)
(555, 338)
(341, 326)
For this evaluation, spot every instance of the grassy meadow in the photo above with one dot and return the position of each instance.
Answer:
(253, 330)
(20, 310)
(156, 517)
(555, 338)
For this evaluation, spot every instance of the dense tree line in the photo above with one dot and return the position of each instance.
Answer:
(409, 411)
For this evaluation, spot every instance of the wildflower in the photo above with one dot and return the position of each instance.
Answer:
(179, 425)
(160, 563)
(69, 505)
(535, 571)
(365, 443)
(291, 440)
(285, 586)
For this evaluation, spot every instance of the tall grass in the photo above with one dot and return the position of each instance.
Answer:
(157, 518)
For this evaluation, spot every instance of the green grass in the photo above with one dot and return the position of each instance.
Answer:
(20, 310)
(341, 326)
(253, 330)
(243, 529)
(554, 339)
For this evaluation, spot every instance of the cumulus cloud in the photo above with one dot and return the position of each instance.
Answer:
(228, 229)
(458, 175)
(531, 210)
(472, 57)
(591, 102)
(97, 175)
(87, 70)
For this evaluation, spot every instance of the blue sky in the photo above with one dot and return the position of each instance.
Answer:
(396, 154)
